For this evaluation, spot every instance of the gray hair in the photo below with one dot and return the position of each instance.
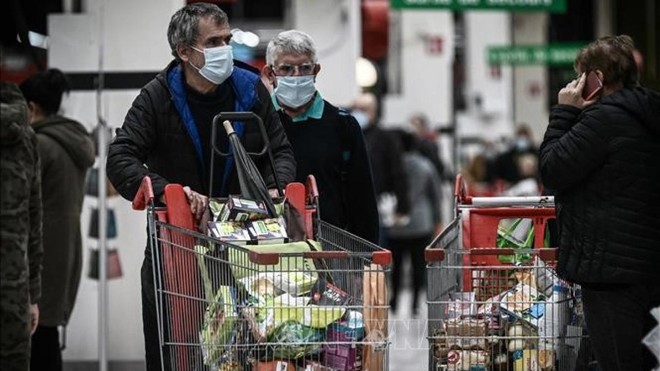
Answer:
(291, 42)
(184, 24)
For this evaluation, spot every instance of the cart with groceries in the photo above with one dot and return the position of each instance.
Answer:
(255, 289)
(494, 299)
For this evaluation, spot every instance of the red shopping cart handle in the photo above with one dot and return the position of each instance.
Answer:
(460, 190)
(433, 254)
(312, 190)
(144, 195)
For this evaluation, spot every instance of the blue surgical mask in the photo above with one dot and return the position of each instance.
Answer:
(218, 63)
(294, 91)
(361, 117)
(523, 144)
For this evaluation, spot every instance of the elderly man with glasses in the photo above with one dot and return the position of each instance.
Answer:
(327, 141)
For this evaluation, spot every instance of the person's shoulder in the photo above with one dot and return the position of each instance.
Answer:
(248, 68)
(345, 118)
(159, 86)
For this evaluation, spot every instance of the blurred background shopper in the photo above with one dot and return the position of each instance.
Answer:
(410, 239)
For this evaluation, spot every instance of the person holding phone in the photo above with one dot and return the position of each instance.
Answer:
(600, 157)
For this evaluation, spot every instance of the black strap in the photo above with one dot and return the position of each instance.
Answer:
(346, 140)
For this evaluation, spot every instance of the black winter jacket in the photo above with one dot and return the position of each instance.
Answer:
(603, 164)
(386, 157)
(155, 140)
(325, 148)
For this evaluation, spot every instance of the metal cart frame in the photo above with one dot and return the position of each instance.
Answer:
(479, 296)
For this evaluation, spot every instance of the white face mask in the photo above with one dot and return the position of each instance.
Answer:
(294, 91)
(218, 63)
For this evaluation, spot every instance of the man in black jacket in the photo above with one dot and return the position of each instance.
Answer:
(327, 141)
(167, 132)
(600, 157)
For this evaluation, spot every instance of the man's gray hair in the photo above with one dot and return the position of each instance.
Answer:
(184, 24)
(291, 42)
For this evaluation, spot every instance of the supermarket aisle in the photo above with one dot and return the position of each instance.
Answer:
(409, 346)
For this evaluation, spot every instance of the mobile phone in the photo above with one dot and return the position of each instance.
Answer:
(592, 86)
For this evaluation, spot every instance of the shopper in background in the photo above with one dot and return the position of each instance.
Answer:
(167, 132)
(528, 185)
(67, 151)
(506, 167)
(600, 157)
(425, 218)
(327, 141)
(20, 231)
(427, 141)
(386, 158)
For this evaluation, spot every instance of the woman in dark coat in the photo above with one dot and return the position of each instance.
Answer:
(600, 157)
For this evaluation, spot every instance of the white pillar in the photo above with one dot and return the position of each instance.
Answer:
(335, 28)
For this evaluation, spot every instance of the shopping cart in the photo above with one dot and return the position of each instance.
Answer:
(316, 304)
(494, 300)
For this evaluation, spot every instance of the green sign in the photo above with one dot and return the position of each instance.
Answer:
(552, 6)
(551, 54)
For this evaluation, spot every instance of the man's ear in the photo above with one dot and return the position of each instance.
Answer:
(269, 74)
(317, 69)
(31, 111)
(183, 52)
(600, 75)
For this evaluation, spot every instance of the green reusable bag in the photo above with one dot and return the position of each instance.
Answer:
(517, 235)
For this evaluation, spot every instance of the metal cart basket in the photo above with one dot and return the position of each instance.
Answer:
(316, 304)
(494, 300)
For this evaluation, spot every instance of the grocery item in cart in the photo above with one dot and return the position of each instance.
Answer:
(218, 327)
(515, 233)
(271, 230)
(242, 209)
(267, 285)
(467, 333)
(278, 365)
(465, 360)
(523, 302)
(325, 293)
(232, 232)
(293, 262)
(295, 340)
(375, 315)
(268, 316)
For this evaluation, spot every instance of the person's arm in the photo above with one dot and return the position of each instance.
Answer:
(361, 195)
(35, 247)
(435, 195)
(285, 163)
(574, 144)
(128, 152)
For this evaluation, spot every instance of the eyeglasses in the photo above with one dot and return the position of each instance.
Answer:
(290, 70)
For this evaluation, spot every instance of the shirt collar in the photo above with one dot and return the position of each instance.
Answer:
(314, 111)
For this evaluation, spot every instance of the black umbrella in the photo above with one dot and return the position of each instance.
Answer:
(252, 183)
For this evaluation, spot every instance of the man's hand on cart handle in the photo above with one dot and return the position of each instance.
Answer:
(198, 202)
